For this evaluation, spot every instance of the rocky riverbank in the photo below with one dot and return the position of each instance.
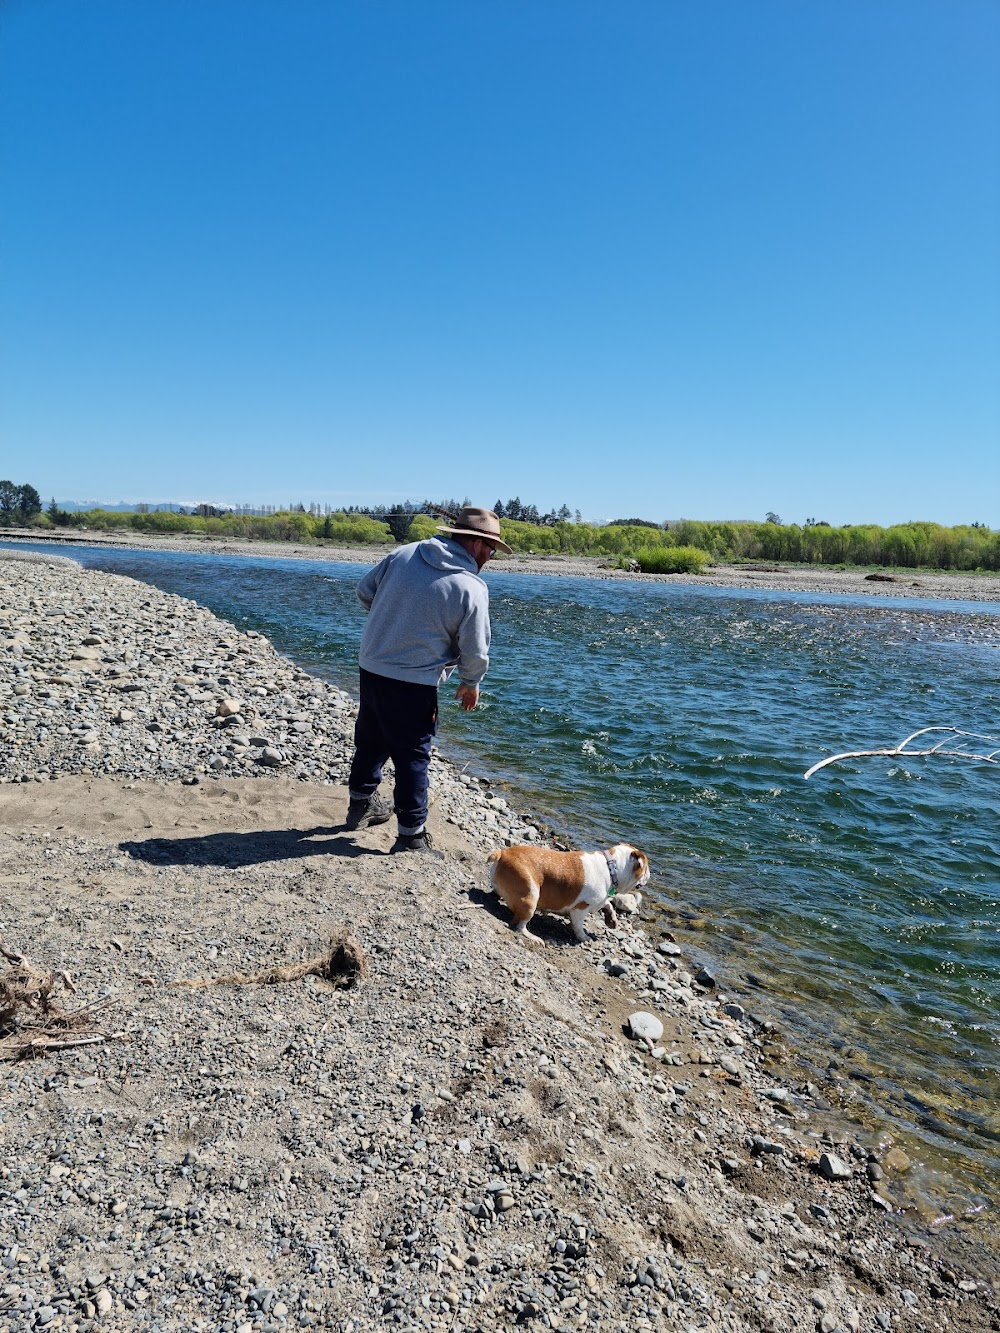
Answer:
(943, 586)
(103, 675)
(467, 1139)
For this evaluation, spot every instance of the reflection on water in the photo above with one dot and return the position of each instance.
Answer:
(867, 900)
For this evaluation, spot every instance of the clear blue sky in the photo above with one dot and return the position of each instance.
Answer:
(659, 259)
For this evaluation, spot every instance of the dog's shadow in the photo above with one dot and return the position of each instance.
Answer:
(247, 849)
(549, 929)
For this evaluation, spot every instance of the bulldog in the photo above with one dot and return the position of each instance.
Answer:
(570, 884)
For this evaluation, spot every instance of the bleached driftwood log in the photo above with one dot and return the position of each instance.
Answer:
(901, 752)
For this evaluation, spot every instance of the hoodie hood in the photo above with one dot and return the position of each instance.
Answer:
(447, 556)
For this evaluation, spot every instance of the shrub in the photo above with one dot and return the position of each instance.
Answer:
(672, 560)
(353, 528)
(423, 526)
(164, 520)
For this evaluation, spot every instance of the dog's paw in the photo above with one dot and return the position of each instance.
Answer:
(525, 934)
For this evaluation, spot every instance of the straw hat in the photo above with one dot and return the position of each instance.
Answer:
(483, 523)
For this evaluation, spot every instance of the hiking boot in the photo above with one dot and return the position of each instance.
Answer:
(363, 814)
(414, 842)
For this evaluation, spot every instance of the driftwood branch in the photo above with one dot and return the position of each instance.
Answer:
(901, 752)
(31, 1020)
(60, 1043)
(18, 959)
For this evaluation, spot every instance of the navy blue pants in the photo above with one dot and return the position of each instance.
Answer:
(397, 720)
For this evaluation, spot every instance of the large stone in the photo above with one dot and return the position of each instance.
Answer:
(645, 1027)
(896, 1160)
(832, 1167)
(229, 708)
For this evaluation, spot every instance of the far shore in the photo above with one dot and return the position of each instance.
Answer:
(936, 585)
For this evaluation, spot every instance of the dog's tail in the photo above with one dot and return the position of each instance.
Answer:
(491, 861)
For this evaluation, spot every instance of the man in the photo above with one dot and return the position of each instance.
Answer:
(428, 612)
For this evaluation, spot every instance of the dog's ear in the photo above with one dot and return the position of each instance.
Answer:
(638, 859)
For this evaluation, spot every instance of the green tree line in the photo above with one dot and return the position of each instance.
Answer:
(906, 545)
(284, 525)
(903, 545)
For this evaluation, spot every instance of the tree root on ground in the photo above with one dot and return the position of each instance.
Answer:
(343, 965)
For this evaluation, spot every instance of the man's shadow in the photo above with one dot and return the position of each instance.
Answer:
(247, 849)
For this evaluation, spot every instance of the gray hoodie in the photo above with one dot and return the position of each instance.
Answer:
(428, 612)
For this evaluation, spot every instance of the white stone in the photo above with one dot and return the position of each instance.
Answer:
(645, 1027)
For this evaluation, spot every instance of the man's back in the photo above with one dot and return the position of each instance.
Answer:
(428, 611)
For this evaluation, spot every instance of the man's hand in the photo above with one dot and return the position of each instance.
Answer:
(468, 696)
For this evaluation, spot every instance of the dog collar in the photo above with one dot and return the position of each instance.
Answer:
(613, 872)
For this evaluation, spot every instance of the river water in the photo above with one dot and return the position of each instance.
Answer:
(860, 909)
